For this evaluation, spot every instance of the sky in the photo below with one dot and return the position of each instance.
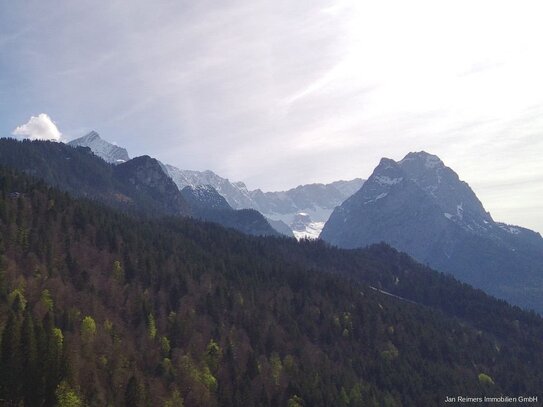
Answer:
(281, 93)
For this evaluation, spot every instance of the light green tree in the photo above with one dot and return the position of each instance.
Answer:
(88, 328)
(151, 326)
(276, 367)
(118, 272)
(485, 379)
(213, 354)
(47, 300)
(175, 400)
(165, 346)
(66, 396)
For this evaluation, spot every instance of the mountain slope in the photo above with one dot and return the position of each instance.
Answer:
(281, 208)
(312, 198)
(109, 152)
(236, 194)
(205, 196)
(146, 175)
(420, 206)
(139, 185)
(207, 204)
(132, 313)
(83, 174)
(317, 200)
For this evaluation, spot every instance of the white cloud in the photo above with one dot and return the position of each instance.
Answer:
(39, 127)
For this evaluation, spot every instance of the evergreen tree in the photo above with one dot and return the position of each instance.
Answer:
(11, 372)
(29, 355)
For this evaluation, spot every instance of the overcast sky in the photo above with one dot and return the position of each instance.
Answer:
(279, 93)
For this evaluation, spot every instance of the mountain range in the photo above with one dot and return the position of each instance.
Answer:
(417, 205)
(317, 201)
(138, 185)
(281, 208)
(420, 206)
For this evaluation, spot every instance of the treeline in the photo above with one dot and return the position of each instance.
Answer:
(99, 308)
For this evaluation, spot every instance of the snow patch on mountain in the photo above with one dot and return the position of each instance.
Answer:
(312, 231)
(384, 180)
(509, 229)
(304, 228)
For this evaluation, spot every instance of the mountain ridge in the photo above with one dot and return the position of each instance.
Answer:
(137, 186)
(280, 207)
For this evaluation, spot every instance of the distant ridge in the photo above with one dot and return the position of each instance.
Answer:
(283, 207)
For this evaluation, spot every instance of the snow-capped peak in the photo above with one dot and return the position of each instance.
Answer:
(107, 151)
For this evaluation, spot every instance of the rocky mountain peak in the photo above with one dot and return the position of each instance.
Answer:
(420, 206)
(107, 151)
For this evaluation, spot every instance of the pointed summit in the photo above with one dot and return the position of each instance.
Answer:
(107, 151)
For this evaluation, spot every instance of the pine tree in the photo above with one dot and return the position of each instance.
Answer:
(133, 394)
(29, 356)
(10, 360)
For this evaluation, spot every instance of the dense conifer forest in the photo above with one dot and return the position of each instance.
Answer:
(100, 308)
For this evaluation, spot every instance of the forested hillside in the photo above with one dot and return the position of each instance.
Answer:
(78, 171)
(100, 308)
(139, 186)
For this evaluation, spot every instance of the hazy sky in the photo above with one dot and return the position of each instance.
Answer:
(278, 93)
